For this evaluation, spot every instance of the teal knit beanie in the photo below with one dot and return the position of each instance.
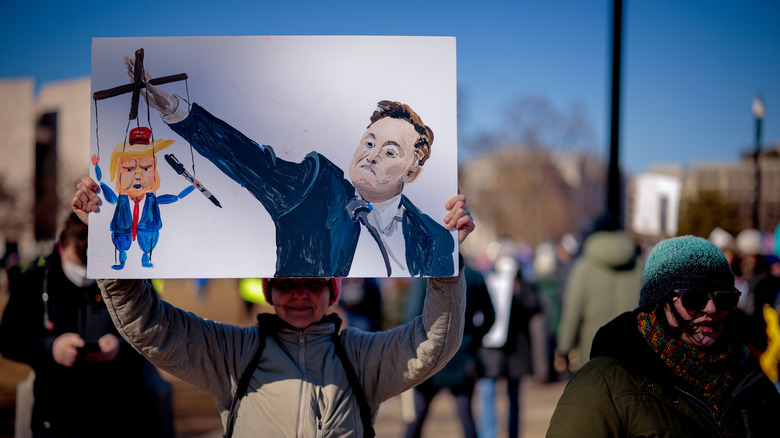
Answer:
(685, 262)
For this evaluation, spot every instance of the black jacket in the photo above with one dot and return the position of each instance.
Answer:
(89, 398)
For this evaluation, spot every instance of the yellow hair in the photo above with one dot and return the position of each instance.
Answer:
(136, 151)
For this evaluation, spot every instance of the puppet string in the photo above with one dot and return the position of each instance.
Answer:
(154, 153)
(97, 136)
(149, 120)
(189, 109)
(127, 129)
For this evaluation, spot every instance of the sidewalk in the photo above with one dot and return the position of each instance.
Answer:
(537, 405)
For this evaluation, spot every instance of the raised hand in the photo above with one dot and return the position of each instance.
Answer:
(86, 200)
(458, 217)
(156, 98)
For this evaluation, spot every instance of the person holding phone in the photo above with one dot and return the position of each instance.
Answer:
(678, 365)
(89, 382)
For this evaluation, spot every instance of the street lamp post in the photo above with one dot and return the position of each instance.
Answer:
(614, 181)
(758, 113)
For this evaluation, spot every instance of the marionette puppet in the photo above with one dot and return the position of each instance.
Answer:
(134, 168)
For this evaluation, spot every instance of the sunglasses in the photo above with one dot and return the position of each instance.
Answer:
(288, 285)
(695, 299)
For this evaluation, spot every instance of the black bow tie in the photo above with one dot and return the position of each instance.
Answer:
(358, 210)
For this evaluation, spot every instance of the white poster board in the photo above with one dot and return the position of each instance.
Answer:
(298, 95)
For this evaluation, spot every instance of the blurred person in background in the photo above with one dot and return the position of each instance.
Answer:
(762, 285)
(361, 301)
(728, 246)
(201, 285)
(460, 374)
(677, 365)
(551, 265)
(251, 292)
(89, 382)
(604, 282)
(760, 291)
(11, 266)
(770, 358)
(506, 348)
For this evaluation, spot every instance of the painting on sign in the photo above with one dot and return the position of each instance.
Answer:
(312, 149)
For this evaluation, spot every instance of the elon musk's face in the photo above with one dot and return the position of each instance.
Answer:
(385, 159)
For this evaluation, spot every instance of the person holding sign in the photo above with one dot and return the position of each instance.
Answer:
(317, 212)
(293, 374)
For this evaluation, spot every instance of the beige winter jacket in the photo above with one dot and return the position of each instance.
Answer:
(300, 388)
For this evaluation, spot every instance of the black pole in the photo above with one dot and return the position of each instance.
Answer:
(614, 204)
(757, 196)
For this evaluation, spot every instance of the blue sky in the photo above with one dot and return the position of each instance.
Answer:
(690, 68)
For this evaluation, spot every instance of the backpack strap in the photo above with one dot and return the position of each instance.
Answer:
(243, 384)
(354, 382)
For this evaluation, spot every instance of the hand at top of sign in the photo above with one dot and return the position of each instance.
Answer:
(458, 217)
(156, 98)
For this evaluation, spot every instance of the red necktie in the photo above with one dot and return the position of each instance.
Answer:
(135, 218)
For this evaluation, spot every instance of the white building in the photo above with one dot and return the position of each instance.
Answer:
(656, 204)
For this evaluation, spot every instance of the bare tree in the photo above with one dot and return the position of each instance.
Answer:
(706, 211)
(522, 193)
(535, 181)
(534, 122)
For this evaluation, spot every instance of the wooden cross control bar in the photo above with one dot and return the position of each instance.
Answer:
(137, 84)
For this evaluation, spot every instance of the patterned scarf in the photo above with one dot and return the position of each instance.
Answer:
(706, 372)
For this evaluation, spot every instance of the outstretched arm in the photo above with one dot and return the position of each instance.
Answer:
(107, 192)
(276, 183)
(168, 199)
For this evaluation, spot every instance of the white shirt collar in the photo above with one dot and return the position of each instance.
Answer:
(386, 216)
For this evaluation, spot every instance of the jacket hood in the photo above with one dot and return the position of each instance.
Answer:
(618, 338)
(614, 249)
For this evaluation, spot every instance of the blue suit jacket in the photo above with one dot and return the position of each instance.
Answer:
(149, 219)
(315, 235)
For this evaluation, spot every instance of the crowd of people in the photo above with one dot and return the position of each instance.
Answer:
(678, 329)
(668, 339)
(686, 317)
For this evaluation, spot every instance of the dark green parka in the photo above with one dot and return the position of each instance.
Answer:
(626, 391)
